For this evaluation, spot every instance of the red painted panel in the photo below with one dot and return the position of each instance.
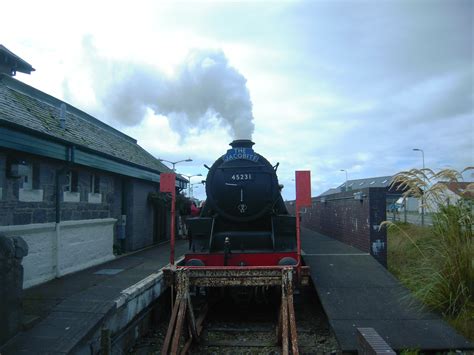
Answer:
(303, 188)
(167, 182)
(235, 259)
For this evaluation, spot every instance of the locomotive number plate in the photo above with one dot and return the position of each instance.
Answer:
(241, 177)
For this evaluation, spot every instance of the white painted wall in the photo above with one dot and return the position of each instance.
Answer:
(447, 197)
(59, 250)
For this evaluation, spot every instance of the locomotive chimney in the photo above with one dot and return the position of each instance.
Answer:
(242, 143)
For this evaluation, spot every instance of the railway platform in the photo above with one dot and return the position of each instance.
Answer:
(66, 314)
(358, 292)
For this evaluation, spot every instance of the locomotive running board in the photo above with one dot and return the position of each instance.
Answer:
(182, 278)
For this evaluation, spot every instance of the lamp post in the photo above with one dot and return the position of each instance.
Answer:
(422, 192)
(189, 179)
(175, 162)
(197, 184)
(347, 188)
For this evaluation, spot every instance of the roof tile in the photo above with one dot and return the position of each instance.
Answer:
(34, 110)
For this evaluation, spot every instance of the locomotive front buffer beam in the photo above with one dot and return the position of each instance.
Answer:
(182, 314)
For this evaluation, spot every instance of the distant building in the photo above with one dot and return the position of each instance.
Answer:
(451, 194)
(392, 195)
(66, 178)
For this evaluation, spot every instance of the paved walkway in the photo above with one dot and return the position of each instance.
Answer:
(71, 307)
(356, 291)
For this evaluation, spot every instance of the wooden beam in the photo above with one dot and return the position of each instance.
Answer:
(284, 323)
(292, 320)
(171, 327)
(179, 325)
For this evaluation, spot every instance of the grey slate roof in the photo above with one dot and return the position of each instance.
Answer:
(23, 105)
(381, 181)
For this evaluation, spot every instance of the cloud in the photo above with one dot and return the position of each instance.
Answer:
(329, 92)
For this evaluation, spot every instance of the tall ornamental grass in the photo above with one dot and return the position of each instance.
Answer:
(439, 265)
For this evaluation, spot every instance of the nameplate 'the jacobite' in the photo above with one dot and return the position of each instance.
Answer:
(241, 153)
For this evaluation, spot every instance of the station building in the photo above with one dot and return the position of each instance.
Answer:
(72, 186)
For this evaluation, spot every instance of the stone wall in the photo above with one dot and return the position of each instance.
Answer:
(353, 221)
(118, 195)
(57, 251)
(12, 250)
(16, 212)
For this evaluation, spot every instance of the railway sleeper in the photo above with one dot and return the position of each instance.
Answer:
(184, 324)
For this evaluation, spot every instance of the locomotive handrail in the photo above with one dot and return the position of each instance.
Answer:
(212, 232)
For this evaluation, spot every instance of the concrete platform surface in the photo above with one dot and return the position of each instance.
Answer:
(356, 291)
(64, 311)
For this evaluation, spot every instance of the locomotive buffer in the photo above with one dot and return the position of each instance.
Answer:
(243, 237)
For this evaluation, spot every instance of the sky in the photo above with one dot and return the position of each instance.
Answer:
(317, 85)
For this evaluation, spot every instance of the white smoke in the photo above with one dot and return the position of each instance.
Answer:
(204, 90)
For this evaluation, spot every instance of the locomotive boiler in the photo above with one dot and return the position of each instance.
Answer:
(244, 221)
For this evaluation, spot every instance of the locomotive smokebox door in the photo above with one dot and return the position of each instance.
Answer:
(242, 185)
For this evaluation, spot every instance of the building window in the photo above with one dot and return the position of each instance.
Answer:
(71, 190)
(94, 196)
(72, 181)
(30, 178)
(95, 184)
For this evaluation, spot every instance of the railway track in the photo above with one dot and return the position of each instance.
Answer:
(239, 329)
(231, 328)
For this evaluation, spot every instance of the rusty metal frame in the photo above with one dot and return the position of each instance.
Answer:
(235, 276)
(286, 329)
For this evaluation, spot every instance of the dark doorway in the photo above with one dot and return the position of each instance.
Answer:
(161, 221)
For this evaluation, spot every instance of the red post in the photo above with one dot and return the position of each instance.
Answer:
(303, 199)
(173, 220)
(168, 184)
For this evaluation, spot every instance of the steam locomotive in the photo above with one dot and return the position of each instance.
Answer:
(244, 221)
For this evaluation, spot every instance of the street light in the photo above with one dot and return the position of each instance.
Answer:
(189, 179)
(196, 184)
(422, 192)
(175, 162)
(347, 188)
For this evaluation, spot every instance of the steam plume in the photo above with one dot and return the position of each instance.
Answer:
(204, 90)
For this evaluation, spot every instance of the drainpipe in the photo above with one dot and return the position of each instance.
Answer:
(59, 173)
(122, 228)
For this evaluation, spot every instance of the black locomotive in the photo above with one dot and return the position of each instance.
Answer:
(244, 221)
